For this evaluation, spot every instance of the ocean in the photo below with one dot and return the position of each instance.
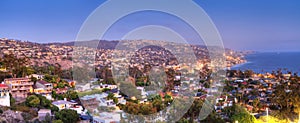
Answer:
(271, 61)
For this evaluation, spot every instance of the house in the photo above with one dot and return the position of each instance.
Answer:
(38, 76)
(20, 87)
(4, 95)
(143, 92)
(42, 113)
(64, 104)
(107, 117)
(100, 99)
(102, 86)
(83, 87)
(89, 102)
(43, 88)
(61, 90)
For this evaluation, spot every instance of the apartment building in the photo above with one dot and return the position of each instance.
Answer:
(43, 88)
(20, 87)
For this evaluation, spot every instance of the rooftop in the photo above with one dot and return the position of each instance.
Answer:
(43, 82)
(12, 79)
(3, 86)
(44, 111)
(59, 102)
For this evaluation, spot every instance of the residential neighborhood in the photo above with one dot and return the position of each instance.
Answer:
(42, 93)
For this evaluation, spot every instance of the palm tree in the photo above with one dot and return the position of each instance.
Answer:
(296, 104)
(283, 100)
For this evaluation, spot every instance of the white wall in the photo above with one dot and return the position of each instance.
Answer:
(5, 101)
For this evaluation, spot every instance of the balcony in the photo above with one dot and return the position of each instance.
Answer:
(21, 84)
(21, 88)
(24, 88)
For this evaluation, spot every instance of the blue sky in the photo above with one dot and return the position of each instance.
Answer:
(263, 25)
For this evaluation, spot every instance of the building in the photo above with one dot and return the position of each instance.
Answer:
(64, 104)
(38, 76)
(43, 88)
(83, 87)
(101, 99)
(4, 95)
(106, 117)
(20, 87)
(42, 113)
(61, 90)
(89, 102)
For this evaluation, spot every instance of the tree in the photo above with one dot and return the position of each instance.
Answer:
(71, 94)
(36, 121)
(296, 102)
(12, 100)
(54, 108)
(146, 109)
(214, 118)
(256, 105)
(194, 110)
(248, 73)
(33, 79)
(131, 108)
(239, 113)
(15, 65)
(44, 102)
(67, 116)
(60, 85)
(183, 120)
(283, 102)
(158, 104)
(269, 119)
(32, 101)
(47, 118)
(243, 118)
(130, 90)
(168, 99)
(57, 121)
(110, 96)
(115, 100)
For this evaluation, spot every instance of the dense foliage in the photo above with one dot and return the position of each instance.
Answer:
(67, 116)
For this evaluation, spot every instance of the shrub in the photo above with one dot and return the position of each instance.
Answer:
(57, 121)
(26, 116)
(32, 101)
(67, 116)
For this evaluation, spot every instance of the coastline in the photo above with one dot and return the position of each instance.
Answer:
(239, 65)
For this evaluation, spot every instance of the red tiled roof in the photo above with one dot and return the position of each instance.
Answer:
(244, 83)
(3, 86)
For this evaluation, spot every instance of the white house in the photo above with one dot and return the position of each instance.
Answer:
(4, 95)
(38, 76)
(64, 104)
